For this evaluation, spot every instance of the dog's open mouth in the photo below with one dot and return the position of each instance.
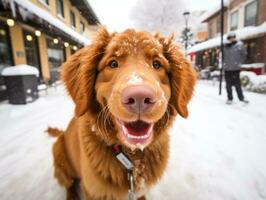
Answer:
(136, 133)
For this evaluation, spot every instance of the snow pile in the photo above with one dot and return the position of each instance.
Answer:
(31, 8)
(215, 73)
(19, 70)
(242, 34)
(42, 87)
(253, 82)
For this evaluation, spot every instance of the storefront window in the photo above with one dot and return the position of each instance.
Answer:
(234, 21)
(5, 57)
(31, 49)
(56, 56)
(252, 51)
(5, 48)
(251, 13)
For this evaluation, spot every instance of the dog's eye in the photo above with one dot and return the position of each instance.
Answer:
(156, 64)
(113, 64)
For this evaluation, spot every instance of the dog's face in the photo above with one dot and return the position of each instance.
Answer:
(132, 84)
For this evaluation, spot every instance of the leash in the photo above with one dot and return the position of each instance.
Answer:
(124, 160)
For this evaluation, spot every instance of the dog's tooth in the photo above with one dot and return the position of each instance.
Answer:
(124, 130)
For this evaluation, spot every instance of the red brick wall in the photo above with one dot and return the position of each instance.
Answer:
(262, 12)
(213, 22)
(235, 3)
(261, 49)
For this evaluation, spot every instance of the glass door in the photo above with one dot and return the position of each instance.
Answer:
(31, 50)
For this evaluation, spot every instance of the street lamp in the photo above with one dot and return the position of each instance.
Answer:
(186, 17)
(222, 47)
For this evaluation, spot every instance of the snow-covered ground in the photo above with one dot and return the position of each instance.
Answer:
(218, 153)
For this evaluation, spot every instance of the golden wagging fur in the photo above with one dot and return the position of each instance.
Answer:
(127, 87)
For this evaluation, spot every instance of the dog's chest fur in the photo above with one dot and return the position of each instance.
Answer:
(148, 165)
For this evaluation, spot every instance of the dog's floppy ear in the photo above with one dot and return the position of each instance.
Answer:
(80, 70)
(182, 76)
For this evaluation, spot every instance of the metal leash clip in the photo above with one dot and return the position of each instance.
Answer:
(122, 158)
(131, 186)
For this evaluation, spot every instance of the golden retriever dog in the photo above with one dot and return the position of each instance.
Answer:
(127, 88)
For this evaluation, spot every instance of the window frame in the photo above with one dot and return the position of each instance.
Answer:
(237, 22)
(218, 24)
(61, 3)
(83, 24)
(72, 19)
(245, 13)
(210, 29)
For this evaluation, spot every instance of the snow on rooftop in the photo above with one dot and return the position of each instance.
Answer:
(212, 11)
(242, 34)
(52, 20)
(20, 70)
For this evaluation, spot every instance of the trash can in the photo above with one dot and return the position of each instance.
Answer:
(21, 82)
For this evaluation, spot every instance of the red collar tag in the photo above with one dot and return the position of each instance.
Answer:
(122, 158)
(116, 148)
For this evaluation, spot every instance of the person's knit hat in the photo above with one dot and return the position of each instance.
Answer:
(231, 35)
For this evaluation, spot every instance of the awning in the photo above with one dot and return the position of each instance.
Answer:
(30, 9)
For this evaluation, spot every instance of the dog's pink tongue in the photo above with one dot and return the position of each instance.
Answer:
(138, 128)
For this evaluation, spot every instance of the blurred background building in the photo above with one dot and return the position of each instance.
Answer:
(247, 18)
(43, 34)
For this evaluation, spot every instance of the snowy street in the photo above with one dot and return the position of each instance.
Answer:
(218, 153)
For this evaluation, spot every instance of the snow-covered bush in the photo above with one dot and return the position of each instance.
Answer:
(215, 74)
(252, 82)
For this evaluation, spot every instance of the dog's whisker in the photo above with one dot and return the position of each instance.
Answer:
(101, 121)
(98, 120)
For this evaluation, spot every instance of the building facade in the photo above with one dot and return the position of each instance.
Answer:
(247, 18)
(213, 21)
(43, 34)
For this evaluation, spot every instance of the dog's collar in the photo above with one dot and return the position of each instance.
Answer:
(122, 158)
(126, 162)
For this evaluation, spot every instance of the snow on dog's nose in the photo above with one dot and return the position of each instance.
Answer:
(138, 99)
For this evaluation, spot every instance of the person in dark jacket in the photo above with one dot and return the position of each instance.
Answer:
(234, 56)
